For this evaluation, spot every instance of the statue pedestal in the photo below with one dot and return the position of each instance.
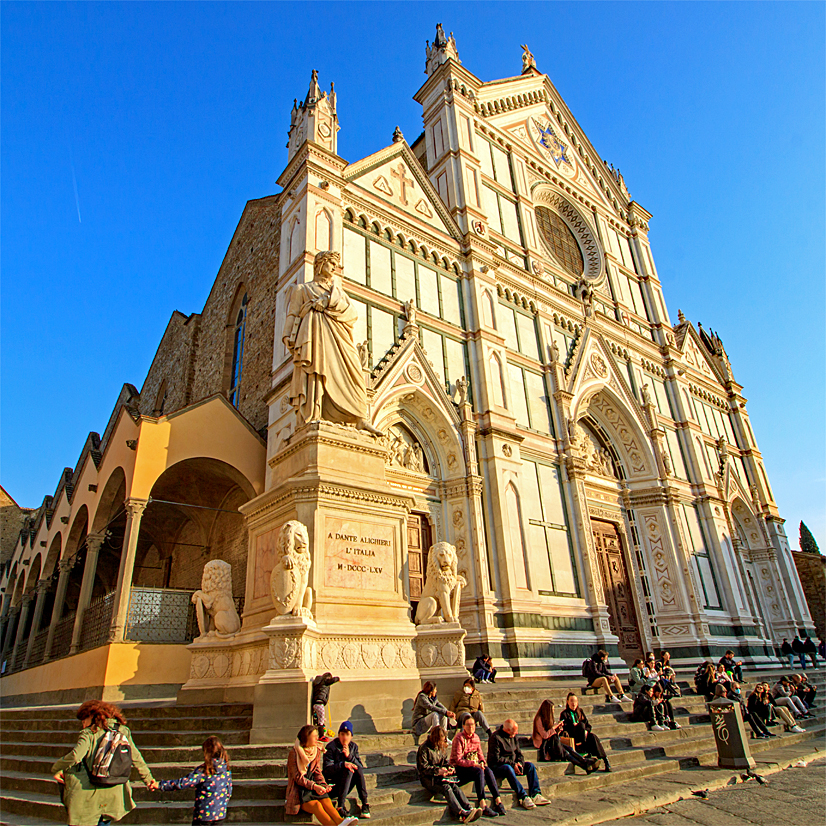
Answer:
(331, 478)
(282, 696)
(440, 653)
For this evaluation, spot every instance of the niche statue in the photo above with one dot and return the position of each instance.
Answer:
(328, 376)
(290, 592)
(443, 587)
(214, 605)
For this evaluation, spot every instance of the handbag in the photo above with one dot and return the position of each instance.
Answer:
(566, 741)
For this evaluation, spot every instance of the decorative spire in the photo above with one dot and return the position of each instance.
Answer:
(528, 60)
(681, 317)
(443, 48)
(398, 137)
(314, 119)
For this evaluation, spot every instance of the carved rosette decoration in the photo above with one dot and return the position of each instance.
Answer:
(210, 663)
(437, 652)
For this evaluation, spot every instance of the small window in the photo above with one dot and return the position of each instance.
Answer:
(238, 352)
(560, 241)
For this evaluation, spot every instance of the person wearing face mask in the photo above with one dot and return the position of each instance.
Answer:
(429, 712)
(468, 700)
(343, 769)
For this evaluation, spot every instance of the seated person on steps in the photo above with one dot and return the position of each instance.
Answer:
(429, 712)
(507, 763)
(704, 678)
(439, 777)
(734, 667)
(483, 670)
(662, 707)
(599, 675)
(647, 711)
(784, 696)
(468, 700)
(343, 769)
(760, 705)
(550, 748)
(307, 790)
(576, 726)
(803, 689)
(470, 764)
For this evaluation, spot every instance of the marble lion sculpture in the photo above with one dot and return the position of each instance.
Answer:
(214, 605)
(290, 575)
(442, 588)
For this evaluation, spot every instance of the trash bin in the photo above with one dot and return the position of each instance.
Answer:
(730, 735)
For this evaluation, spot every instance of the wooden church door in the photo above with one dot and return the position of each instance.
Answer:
(618, 590)
(418, 545)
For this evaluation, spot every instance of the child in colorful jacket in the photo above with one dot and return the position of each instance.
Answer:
(213, 781)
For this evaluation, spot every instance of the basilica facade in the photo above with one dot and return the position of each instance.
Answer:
(590, 459)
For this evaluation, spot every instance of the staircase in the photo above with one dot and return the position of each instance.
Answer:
(169, 736)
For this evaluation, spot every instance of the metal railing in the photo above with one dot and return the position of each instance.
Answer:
(96, 621)
(161, 615)
(38, 648)
(62, 641)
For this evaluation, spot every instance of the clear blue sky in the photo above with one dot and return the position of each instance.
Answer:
(132, 135)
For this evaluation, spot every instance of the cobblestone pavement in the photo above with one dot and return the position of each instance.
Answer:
(793, 797)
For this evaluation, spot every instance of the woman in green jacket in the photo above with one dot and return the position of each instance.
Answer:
(87, 804)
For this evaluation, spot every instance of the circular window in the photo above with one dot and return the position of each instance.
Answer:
(560, 241)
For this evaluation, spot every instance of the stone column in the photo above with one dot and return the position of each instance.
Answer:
(11, 629)
(41, 589)
(123, 590)
(94, 541)
(64, 567)
(25, 604)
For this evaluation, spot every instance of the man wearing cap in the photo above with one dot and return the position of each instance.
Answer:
(343, 769)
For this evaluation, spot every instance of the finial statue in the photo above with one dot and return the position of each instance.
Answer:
(291, 594)
(681, 316)
(442, 590)
(214, 605)
(398, 137)
(410, 313)
(364, 354)
(554, 352)
(646, 395)
(528, 60)
(328, 377)
(461, 389)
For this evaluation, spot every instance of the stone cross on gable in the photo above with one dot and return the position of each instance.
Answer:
(403, 180)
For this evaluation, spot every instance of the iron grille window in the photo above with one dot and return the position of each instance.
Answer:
(560, 241)
(96, 621)
(238, 352)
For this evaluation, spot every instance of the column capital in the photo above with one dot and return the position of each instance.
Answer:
(66, 564)
(25, 601)
(135, 507)
(42, 586)
(95, 540)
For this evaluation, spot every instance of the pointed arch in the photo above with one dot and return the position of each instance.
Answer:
(617, 419)
(488, 310)
(323, 230)
(516, 536)
(497, 380)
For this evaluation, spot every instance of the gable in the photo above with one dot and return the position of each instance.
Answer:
(394, 176)
(695, 357)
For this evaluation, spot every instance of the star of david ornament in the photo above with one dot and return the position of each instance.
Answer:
(546, 138)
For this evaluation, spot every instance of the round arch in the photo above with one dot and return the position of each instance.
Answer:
(53, 555)
(33, 576)
(77, 533)
(111, 499)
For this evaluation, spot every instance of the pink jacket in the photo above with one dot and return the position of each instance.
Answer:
(463, 748)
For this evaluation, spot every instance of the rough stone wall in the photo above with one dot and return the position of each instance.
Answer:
(172, 363)
(252, 260)
(12, 517)
(811, 568)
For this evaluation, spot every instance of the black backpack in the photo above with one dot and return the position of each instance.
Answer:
(111, 762)
(586, 669)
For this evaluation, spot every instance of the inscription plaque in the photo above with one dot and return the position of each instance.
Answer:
(359, 555)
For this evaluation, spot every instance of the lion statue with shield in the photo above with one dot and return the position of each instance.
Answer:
(442, 588)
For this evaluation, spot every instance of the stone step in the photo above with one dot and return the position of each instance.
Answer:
(146, 710)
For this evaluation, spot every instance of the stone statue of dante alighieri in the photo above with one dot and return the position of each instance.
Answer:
(328, 379)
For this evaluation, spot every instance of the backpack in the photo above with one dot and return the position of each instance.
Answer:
(111, 762)
(586, 668)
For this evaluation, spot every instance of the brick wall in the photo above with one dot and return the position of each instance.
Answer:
(251, 266)
(172, 364)
(195, 354)
(12, 517)
(811, 568)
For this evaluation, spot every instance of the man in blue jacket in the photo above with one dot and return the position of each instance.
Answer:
(343, 769)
